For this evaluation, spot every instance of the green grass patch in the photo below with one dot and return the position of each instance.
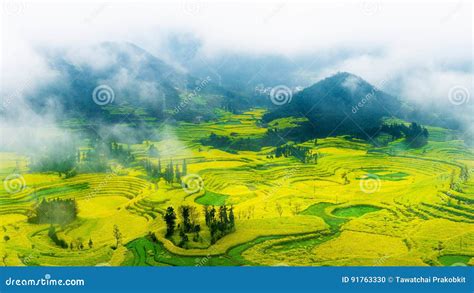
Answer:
(355, 211)
(212, 199)
(449, 260)
(383, 174)
(144, 252)
(62, 189)
(319, 211)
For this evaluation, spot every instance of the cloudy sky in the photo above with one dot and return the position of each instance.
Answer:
(424, 48)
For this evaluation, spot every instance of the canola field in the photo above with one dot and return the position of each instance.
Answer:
(359, 205)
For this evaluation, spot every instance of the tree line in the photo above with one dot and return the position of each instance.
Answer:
(415, 134)
(171, 173)
(67, 160)
(55, 211)
(303, 154)
(220, 223)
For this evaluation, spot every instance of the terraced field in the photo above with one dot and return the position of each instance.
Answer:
(358, 205)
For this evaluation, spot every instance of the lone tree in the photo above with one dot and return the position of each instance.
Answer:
(440, 247)
(279, 209)
(117, 236)
(231, 217)
(184, 213)
(170, 219)
(177, 174)
(185, 168)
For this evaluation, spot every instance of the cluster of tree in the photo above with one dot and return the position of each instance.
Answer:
(303, 132)
(301, 153)
(61, 159)
(189, 217)
(220, 224)
(118, 153)
(232, 143)
(273, 137)
(415, 135)
(96, 158)
(55, 211)
(171, 173)
(52, 234)
(67, 160)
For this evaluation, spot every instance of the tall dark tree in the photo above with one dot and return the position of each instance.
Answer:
(207, 216)
(170, 219)
(117, 236)
(223, 214)
(184, 213)
(159, 169)
(184, 239)
(231, 217)
(177, 174)
(212, 215)
(185, 168)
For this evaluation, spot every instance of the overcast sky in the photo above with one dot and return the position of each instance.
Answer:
(426, 47)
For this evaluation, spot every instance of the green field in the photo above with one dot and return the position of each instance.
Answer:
(357, 205)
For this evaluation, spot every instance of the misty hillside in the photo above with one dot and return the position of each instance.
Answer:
(141, 84)
(341, 104)
(146, 89)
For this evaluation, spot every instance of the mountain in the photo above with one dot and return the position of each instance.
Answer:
(111, 81)
(341, 104)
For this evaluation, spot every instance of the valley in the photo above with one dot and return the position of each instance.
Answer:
(347, 202)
